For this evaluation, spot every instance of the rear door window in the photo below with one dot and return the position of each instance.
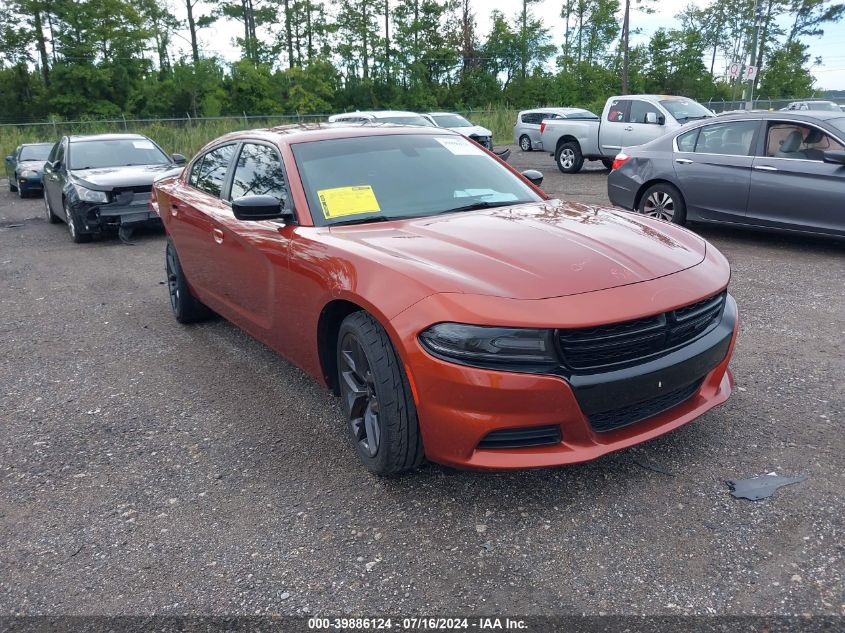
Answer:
(686, 142)
(212, 172)
(618, 110)
(727, 139)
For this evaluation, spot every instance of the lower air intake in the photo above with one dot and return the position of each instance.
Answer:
(624, 416)
(521, 438)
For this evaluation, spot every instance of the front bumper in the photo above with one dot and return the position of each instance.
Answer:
(31, 183)
(458, 406)
(96, 218)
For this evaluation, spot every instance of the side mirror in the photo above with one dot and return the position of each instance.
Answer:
(256, 208)
(654, 119)
(57, 165)
(835, 156)
(10, 159)
(179, 159)
(534, 176)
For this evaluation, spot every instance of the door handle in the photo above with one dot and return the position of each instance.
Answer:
(174, 208)
(683, 161)
(765, 168)
(218, 235)
(628, 129)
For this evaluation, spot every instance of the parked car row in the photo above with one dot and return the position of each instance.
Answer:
(463, 345)
(95, 183)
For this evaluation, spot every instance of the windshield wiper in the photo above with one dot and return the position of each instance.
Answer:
(375, 218)
(475, 206)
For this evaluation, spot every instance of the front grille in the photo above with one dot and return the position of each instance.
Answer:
(618, 344)
(521, 438)
(630, 414)
(134, 189)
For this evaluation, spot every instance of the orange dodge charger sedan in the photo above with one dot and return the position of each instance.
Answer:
(460, 314)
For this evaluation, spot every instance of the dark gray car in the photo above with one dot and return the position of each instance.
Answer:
(780, 171)
(103, 182)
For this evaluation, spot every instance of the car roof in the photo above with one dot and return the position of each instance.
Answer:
(106, 137)
(808, 115)
(554, 109)
(36, 144)
(307, 132)
(384, 114)
(439, 113)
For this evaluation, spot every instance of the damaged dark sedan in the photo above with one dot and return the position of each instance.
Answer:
(102, 183)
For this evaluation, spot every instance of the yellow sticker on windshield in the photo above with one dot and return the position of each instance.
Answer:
(343, 201)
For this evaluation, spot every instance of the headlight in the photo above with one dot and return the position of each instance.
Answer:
(89, 195)
(28, 173)
(493, 347)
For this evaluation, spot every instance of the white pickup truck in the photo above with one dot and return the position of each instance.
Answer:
(626, 121)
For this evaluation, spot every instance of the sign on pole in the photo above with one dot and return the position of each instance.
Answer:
(751, 73)
(734, 70)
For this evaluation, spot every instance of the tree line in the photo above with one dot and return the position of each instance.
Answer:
(75, 59)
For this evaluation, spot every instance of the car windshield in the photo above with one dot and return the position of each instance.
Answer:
(827, 106)
(581, 114)
(386, 177)
(35, 152)
(405, 120)
(123, 152)
(685, 109)
(450, 120)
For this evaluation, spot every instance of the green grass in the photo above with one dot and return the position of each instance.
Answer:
(188, 137)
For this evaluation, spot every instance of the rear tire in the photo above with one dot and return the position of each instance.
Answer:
(377, 401)
(525, 143)
(569, 158)
(664, 202)
(186, 307)
(607, 162)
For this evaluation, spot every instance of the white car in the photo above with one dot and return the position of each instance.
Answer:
(396, 117)
(457, 123)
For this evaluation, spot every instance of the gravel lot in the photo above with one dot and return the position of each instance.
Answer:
(151, 467)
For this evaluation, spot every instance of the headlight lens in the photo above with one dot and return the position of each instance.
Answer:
(89, 195)
(28, 173)
(492, 347)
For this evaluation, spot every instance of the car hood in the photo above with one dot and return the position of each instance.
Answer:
(476, 130)
(35, 165)
(528, 251)
(106, 178)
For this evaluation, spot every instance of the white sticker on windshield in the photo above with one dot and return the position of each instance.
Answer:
(459, 146)
(143, 144)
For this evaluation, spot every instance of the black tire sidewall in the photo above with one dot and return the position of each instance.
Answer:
(579, 158)
(396, 405)
(680, 215)
(525, 138)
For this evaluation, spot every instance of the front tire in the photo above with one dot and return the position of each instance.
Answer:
(664, 202)
(525, 143)
(186, 307)
(377, 401)
(569, 158)
(12, 186)
(73, 227)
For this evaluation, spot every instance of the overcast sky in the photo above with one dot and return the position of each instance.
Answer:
(830, 75)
